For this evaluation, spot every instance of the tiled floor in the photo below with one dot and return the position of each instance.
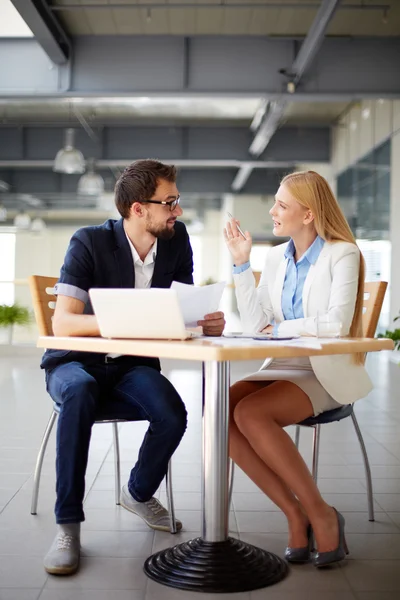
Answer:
(115, 542)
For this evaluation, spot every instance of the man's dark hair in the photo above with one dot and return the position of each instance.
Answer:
(138, 183)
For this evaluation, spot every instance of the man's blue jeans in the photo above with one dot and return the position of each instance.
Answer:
(118, 391)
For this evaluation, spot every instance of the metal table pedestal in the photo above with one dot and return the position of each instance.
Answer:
(215, 562)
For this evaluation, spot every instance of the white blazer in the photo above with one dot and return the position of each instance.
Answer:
(330, 288)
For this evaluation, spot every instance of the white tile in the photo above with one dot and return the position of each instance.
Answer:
(357, 522)
(381, 458)
(340, 486)
(263, 522)
(395, 517)
(307, 578)
(377, 595)
(163, 540)
(373, 546)
(256, 501)
(114, 518)
(373, 575)
(377, 471)
(272, 593)
(386, 486)
(389, 502)
(115, 544)
(92, 595)
(13, 567)
(26, 542)
(349, 502)
(100, 499)
(184, 500)
(118, 541)
(104, 573)
(19, 594)
(272, 542)
(337, 472)
(155, 591)
(6, 495)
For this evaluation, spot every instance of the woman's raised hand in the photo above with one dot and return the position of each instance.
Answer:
(238, 246)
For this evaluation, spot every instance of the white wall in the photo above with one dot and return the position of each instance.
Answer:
(365, 126)
(395, 226)
(37, 254)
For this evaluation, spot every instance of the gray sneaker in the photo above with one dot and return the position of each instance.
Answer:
(64, 554)
(152, 512)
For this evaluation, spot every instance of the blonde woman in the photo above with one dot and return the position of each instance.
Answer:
(320, 271)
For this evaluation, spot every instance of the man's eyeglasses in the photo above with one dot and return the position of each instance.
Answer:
(172, 203)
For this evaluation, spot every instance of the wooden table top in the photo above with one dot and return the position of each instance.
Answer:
(218, 349)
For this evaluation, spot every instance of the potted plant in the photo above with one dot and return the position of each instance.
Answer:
(10, 316)
(395, 336)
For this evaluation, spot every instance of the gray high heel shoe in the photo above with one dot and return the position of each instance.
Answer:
(300, 555)
(323, 559)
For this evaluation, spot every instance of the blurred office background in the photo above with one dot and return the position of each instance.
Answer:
(236, 94)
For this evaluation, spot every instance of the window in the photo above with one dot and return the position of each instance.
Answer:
(377, 256)
(197, 248)
(363, 191)
(11, 22)
(258, 256)
(7, 268)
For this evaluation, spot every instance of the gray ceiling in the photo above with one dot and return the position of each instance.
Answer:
(189, 81)
(231, 17)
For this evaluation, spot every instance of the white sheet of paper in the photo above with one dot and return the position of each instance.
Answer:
(301, 342)
(198, 301)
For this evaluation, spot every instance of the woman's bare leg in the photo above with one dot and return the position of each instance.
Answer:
(260, 418)
(267, 480)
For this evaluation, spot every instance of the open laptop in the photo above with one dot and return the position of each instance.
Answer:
(130, 313)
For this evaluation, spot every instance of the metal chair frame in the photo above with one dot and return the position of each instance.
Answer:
(41, 289)
(375, 293)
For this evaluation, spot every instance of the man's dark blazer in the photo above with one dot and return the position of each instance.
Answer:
(100, 256)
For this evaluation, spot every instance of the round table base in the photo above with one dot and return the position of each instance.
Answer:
(229, 566)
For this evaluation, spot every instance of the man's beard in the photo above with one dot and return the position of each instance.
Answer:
(161, 232)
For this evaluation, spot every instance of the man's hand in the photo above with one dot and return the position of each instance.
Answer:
(213, 324)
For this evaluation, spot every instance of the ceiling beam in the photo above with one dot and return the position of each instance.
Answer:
(187, 4)
(302, 62)
(46, 29)
(199, 146)
(313, 40)
(224, 66)
(276, 110)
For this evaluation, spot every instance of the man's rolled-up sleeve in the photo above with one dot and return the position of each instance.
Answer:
(77, 271)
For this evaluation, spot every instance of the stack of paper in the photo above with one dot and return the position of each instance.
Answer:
(198, 301)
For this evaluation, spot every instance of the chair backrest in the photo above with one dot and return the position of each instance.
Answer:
(257, 275)
(44, 301)
(374, 294)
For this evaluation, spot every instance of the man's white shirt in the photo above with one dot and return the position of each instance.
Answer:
(144, 270)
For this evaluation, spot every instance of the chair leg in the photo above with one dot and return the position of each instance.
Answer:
(117, 466)
(39, 462)
(297, 436)
(371, 516)
(230, 481)
(315, 456)
(170, 499)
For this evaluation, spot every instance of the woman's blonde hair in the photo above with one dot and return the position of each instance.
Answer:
(312, 191)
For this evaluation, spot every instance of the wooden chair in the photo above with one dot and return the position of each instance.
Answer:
(44, 303)
(374, 294)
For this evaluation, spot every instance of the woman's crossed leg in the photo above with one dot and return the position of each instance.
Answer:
(258, 444)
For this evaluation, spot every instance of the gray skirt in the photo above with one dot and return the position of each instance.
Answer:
(300, 372)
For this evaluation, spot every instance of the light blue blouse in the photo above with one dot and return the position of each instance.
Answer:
(296, 273)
